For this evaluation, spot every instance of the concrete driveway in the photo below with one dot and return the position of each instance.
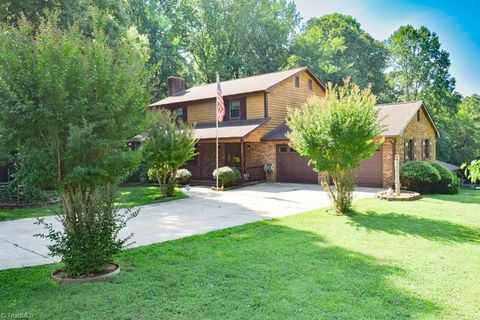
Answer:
(204, 211)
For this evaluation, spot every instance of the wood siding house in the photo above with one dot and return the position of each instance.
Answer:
(253, 134)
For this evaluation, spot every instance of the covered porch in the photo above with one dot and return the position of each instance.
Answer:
(233, 151)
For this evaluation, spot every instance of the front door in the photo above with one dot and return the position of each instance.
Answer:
(232, 155)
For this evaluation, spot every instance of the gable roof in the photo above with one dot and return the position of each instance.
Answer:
(258, 83)
(395, 117)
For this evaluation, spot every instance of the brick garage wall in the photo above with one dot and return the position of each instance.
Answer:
(388, 157)
(418, 130)
(259, 153)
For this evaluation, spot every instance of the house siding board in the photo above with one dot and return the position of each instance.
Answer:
(255, 106)
(281, 97)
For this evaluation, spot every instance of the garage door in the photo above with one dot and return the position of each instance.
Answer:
(291, 167)
(370, 172)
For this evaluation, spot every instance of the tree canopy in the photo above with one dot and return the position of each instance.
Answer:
(336, 47)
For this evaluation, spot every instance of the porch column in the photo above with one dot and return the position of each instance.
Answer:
(242, 157)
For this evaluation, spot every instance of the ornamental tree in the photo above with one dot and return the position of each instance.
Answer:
(336, 132)
(169, 146)
(68, 104)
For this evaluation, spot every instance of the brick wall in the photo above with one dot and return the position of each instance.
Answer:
(259, 153)
(388, 158)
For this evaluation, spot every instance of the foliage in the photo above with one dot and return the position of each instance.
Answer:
(448, 183)
(464, 129)
(337, 132)
(336, 47)
(420, 71)
(169, 146)
(227, 175)
(87, 246)
(69, 102)
(182, 176)
(472, 170)
(419, 176)
(239, 37)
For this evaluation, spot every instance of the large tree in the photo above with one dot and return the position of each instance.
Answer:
(336, 47)
(239, 38)
(420, 71)
(336, 132)
(68, 104)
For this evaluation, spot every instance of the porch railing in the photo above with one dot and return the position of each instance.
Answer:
(254, 173)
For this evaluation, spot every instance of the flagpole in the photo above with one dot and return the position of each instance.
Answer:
(216, 136)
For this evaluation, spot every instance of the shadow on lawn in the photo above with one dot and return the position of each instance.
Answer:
(258, 271)
(402, 224)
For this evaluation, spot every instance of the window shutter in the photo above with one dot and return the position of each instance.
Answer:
(406, 150)
(429, 148)
(424, 149)
(414, 149)
(226, 103)
(185, 117)
(243, 109)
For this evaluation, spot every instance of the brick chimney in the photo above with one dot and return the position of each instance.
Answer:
(175, 85)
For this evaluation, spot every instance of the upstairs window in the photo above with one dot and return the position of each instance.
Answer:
(234, 109)
(297, 82)
(310, 84)
(181, 113)
(418, 115)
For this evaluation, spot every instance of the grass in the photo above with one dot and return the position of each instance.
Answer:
(128, 197)
(391, 260)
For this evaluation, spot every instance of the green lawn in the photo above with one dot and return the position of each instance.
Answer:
(391, 260)
(129, 196)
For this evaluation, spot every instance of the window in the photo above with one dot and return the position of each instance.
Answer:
(409, 153)
(234, 109)
(418, 115)
(297, 82)
(427, 149)
(310, 84)
(283, 149)
(179, 113)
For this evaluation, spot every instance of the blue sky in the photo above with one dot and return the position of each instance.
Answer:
(457, 24)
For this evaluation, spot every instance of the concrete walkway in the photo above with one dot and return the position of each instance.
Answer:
(204, 211)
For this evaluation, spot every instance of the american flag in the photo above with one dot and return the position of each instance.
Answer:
(220, 105)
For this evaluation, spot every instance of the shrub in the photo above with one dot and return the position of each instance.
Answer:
(448, 183)
(87, 246)
(419, 176)
(227, 175)
(182, 176)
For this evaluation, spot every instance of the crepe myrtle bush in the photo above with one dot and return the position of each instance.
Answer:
(68, 104)
(227, 175)
(87, 246)
(336, 132)
(169, 146)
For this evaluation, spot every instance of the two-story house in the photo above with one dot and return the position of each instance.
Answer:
(252, 136)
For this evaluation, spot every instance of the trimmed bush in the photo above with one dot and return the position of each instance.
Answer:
(419, 176)
(448, 183)
(227, 175)
(182, 176)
